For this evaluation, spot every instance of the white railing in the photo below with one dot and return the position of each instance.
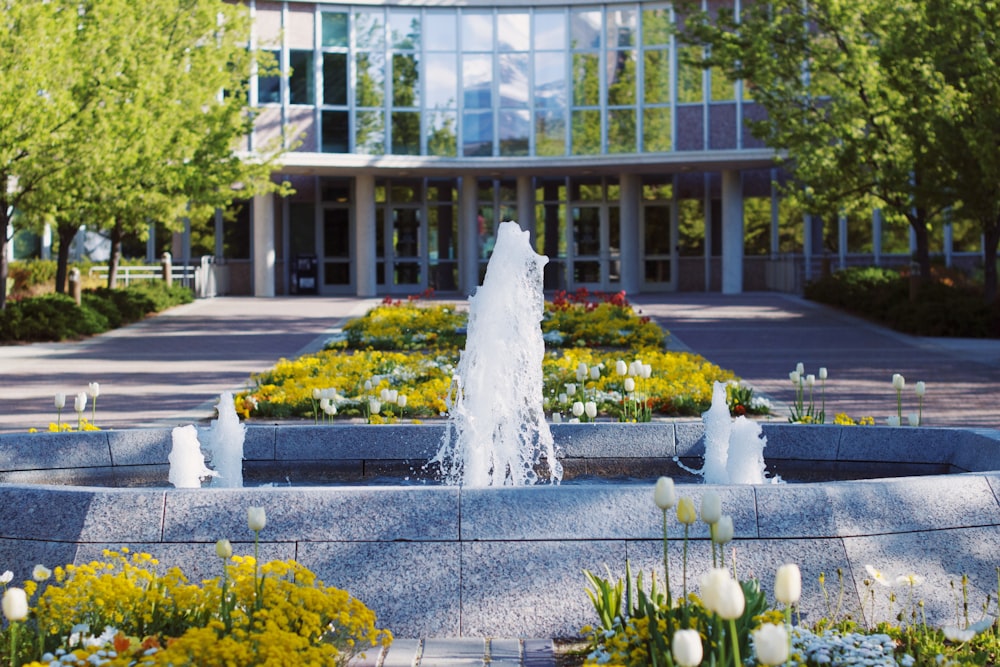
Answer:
(200, 277)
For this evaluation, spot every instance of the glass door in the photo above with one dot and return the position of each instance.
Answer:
(596, 252)
(404, 254)
(659, 248)
(336, 244)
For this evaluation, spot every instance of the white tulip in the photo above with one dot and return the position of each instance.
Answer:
(795, 377)
(401, 400)
(60, 401)
(920, 388)
(898, 382)
(384, 396)
(686, 648)
(788, 584)
(590, 408)
(635, 368)
(562, 399)
(6, 577)
(556, 418)
(722, 594)
(317, 393)
(647, 371)
(80, 402)
(893, 420)
(224, 549)
(374, 406)
(256, 519)
(800, 368)
(770, 642)
(663, 493)
(581, 372)
(393, 395)
(810, 380)
(722, 530)
(822, 373)
(595, 373)
(711, 507)
(629, 385)
(40, 573)
(94, 389)
(621, 368)
(571, 388)
(330, 408)
(15, 604)
(368, 385)
(578, 408)
(913, 419)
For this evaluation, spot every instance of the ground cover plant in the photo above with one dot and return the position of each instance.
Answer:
(397, 361)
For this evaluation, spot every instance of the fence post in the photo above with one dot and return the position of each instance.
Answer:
(75, 285)
(168, 269)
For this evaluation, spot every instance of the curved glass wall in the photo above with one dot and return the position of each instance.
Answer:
(490, 82)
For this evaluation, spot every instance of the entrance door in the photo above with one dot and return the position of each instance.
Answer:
(404, 252)
(336, 244)
(595, 256)
(659, 248)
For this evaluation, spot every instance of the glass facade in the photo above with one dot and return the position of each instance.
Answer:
(493, 81)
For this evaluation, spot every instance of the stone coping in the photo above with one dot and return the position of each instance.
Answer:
(447, 561)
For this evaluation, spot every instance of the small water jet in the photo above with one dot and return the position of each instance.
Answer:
(224, 443)
(497, 433)
(187, 463)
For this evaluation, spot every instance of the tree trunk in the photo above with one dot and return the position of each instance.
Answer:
(66, 235)
(116, 254)
(923, 255)
(991, 238)
(4, 268)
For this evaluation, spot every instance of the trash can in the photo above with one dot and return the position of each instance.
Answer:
(304, 275)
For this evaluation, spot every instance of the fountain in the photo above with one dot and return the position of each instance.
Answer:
(734, 449)
(497, 434)
(187, 463)
(224, 443)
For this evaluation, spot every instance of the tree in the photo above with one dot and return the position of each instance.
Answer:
(856, 135)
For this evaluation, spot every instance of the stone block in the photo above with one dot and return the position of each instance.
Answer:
(819, 442)
(81, 514)
(140, 446)
(46, 451)
(903, 444)
(355, 441)
(21, 556)
(979, 450)
(604, 439)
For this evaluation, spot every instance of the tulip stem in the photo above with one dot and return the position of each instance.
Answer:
(666, 561)
(685, 572)
(14, 625)
(736, 643)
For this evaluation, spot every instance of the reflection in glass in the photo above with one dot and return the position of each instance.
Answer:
(477, 133)
(657, 76)
(336, 232)
(614, 230)
(477, 81)
(441, 139)
(621, 130)
(585, 28)
(621, 77)
(369, 28)
(439, 30)
(622, 25)
(405, 80)
(586, 272)
(689, 76)
(657, 230)
(404, 28)
(369, 134)
(515, 129)
(442, 70)
(335, 132)
(657, 26)
(722, 89)
(269, 87)
(477, 30)
(406, 232)
(512, 31)
(405, 133)
(586, 231)
(513, 74)
(656, 130)
(336, 273)
(586, 79)
(334, 28)
(334, 78)
(370, 87)
(550, 30)
(301, 80)
(586, 132)
(550, 133)
(550, 80)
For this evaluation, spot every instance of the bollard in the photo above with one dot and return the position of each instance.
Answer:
(168, 269)
(75, 285)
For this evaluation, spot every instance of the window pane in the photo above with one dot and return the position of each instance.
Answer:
(405, 133)
(269, 87)
(236, 234)
(586, 79)
(689, 77)
(477, 133)
(621, 77)
(622, 25)
(550, 30)
(550, 133)
(334, 26)
(301, 83)
(405, 80)
(371, 79)
(621, 130)
(369, 28)
(404, 29)
(513, 31)
(587, 231)
(477, 81)
(442, 69)
(337, 232)
(656, 26)
(586, 132)
(656, 130)
(657, 75)
(477, 31)
(550, 80)
(513, 73)
(440, 31)
(515, 127)
(369, 135)
(722, 89)
(335, 132)
(334, 78)
(586, 29)
(441, 139)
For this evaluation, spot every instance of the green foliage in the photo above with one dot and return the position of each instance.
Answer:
(31, 273)
(883, 295)
(53, 316)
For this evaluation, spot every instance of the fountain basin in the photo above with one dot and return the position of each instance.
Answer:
(449, 561)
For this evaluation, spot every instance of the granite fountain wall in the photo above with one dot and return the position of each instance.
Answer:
(448, 561)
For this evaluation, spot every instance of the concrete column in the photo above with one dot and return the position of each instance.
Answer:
(949, 242)
(365, 276)
(630, 193)
(877, 236)
(468, 237)
(526, 206)
(842, 241)
(46, 242)
(732, 232)
(262, 222)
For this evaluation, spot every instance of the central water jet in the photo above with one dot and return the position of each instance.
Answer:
(497, 434)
